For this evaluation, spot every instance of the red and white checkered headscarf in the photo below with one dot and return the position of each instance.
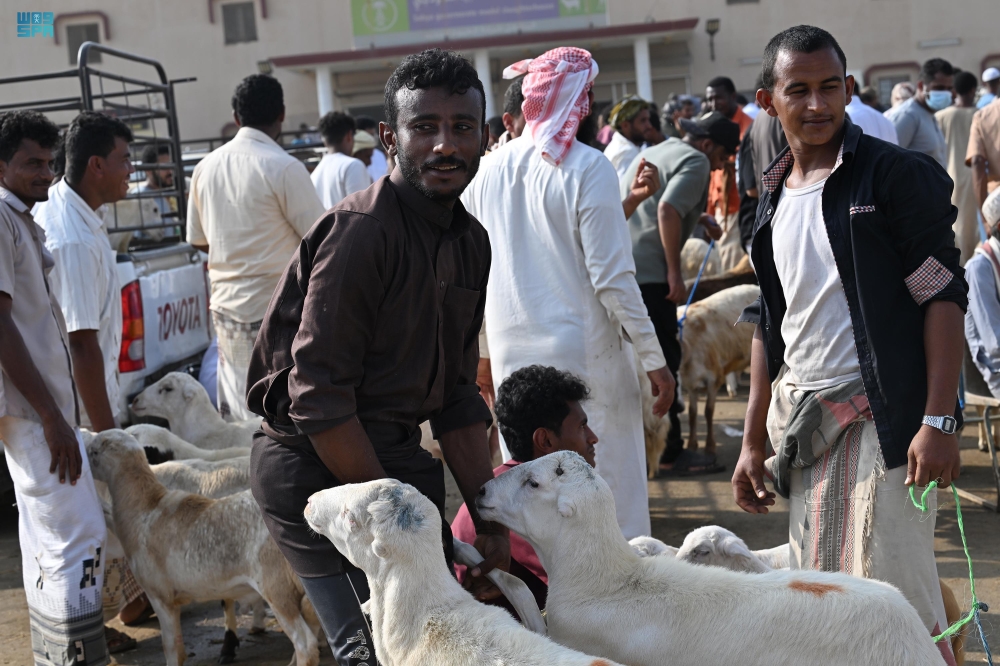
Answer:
(555, 97)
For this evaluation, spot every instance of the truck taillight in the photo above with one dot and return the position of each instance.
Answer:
(133, 355)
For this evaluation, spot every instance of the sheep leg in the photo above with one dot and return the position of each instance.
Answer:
(709, 415)
(692, 420)
(288, 614)
(230, 641)
(258, 626)
(170, 631)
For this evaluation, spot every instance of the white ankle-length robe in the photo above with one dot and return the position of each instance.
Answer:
(562, 292)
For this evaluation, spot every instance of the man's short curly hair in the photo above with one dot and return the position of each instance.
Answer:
(513, 99)
(534, 397)
(91, 133)
(258, 101)
(335, 126)
(432, 68)
(16, 126)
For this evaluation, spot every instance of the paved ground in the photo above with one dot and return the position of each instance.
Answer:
(677, 506)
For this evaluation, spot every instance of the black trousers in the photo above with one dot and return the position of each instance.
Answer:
(282, 478)
(337, 600)
(663, 314)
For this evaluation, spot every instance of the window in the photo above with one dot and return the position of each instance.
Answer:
(77, 35)
(238, 23)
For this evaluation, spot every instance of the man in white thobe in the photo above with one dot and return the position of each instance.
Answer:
(562, 283)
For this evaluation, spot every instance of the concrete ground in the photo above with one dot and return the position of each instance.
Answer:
(677, 506)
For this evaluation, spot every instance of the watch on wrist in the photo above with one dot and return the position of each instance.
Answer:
(946, 424)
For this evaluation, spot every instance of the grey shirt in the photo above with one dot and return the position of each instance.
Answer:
(24, 266)
(684, 173)
(918, 130)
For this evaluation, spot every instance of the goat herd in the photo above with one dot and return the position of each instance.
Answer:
(191, 532)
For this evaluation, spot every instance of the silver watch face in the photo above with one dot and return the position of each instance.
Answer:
(948, 425)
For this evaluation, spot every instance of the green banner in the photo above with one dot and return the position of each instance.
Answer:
(581, 7)
(378, 17)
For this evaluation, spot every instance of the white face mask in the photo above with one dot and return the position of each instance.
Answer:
(938, 99)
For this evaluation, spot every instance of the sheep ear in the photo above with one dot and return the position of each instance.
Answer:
(188, 392)
(734, 547)
(566, 506)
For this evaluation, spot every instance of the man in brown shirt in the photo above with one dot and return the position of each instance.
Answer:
(372, 330)
(983, 154)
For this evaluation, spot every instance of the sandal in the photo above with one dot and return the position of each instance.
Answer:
(118, 641)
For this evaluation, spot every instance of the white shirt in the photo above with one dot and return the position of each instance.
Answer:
(251, 203)
(338, 175)
(379, 166)
(816, 329)
(871, 121)
(85, 277)
(621, 152)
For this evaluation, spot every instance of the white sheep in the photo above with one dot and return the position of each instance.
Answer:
(604, 599)
(713, 346)
(161, 439)
(716, 546)
(207, 478)
(184, 403)
(420, 615)
(693, 255)
(647, 546)
(184, 548)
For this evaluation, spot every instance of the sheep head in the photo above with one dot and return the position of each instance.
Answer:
(538, 499)
(170, 397)
(376, 522)
(107, 450)
(716, 546)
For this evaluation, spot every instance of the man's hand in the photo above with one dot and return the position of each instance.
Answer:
(933, 455)
(748, 482)
(711, 226)
(646, 181)
(495, 548)
(484, 379)
(65, 450)
(664, 388)
(678, 290)
(644, 185)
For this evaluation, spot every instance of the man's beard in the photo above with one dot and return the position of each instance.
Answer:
(587, 131)
(411, 172)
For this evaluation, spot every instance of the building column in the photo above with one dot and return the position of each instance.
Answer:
(643, 71)
(324, 89)
(482, 64)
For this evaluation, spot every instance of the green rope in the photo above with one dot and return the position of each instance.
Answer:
(976, 606)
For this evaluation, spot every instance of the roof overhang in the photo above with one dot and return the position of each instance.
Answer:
(611, 35)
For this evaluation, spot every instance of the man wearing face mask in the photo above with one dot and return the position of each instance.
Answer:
(914, 118)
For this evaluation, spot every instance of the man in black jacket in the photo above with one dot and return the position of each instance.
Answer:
(859, 328)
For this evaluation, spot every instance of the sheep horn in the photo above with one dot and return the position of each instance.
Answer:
(513, 588)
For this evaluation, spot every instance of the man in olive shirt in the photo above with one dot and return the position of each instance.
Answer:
(660, 226)
(373, 329)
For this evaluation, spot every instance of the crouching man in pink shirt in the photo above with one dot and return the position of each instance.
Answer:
(539, 412)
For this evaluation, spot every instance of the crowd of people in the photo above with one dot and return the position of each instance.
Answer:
(434, 256)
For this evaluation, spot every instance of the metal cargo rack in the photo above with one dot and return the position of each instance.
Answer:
(144, 101)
